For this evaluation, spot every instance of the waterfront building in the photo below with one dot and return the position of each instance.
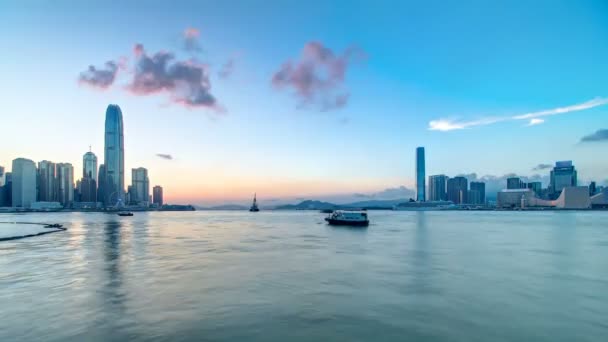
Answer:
(438, 188)
(478, 193)
(1, 175)
(563, 175)
(514, 198)
(24, 183)
(130, 196)
(420, 175)
(537, 187)
(114, 158)
(88, 190)
(592, 189)
(515, 183)
(6, 191)
(65, 184)
(101, 184)
(141, 186)
(157, 195)
(457, 190)
(47, 181)
(89, 165)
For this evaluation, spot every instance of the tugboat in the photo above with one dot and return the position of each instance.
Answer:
(125, 213)
(254, 207)
(348, 218)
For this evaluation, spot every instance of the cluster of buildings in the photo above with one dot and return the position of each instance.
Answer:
(562, 192)
(50, 185)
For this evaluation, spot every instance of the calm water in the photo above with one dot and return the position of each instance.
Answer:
(277, 276)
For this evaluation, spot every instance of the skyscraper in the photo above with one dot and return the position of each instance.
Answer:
(114, 157)
(89, 165)
(563, 175)
(515, 183)
(537, 187)
(438, 187)
(420, 175)
(47, 184)
(24, 183)
(101, 184)
(65, 184)
(157, 195)
(6, 191)
(478, 193)
(141, 186)
(1, 175)
(457, 190)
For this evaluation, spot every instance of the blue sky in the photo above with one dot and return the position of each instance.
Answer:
(460, 61)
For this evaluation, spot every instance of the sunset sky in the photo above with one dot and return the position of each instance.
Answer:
(308, 99)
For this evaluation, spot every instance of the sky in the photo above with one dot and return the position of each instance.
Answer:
(315, 99)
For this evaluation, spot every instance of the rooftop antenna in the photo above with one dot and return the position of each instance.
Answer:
(89, 148)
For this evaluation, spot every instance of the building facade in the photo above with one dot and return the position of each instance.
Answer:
(515, 183)
(114, 158)
(65, 184)
(89, 166)
(438, 188)
(23, 183)
(478, 193)
(47, 181)
(537, 187)
(457, 190)
(1, 175)
(141, 186)
(420, 175)
(563, 175)
(157, 195)
(6, 191)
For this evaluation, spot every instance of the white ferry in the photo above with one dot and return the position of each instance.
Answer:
(348, 218)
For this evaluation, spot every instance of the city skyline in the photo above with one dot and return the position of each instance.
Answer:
(497, 106)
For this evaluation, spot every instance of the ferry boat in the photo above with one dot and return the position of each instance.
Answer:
(125, 213)
(348, 218)
(254, 207)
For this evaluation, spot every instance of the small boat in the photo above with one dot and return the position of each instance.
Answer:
(125, 213)
(348, 218)
(54, 225)
(254, 207)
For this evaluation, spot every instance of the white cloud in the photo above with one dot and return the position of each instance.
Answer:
(445, 125)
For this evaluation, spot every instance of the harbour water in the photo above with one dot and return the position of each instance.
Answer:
(287, 276)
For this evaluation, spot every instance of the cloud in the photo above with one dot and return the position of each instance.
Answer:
(187, 82)
(317, 77)
(389, 193)
(599, 135)
(535, 121)
(542, 167)
(190, 41)
(450, 125)
(101, 78)
(227, 69)
(164, 156)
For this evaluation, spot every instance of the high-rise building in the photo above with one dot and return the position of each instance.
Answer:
(6, 191)
(1, 175)
(141, 186)
(65, 184)
(89, 165)
(537, 187)
(438, 188)
(24, 183)
(157, 195)
(458, 190)
(420, 175)
(88, 190)
(515, 183)
(592, 189)
(101, 184)
(114, 158)
(480, 189)
(563, 175)
(47, 181)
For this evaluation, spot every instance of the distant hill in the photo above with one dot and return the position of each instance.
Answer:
(318, 205)
(225, 207)
(308, 205)
(375, 203)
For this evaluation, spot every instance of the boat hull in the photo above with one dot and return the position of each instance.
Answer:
(335, 222)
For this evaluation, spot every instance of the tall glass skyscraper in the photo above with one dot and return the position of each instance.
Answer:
(420, 175)
(24, 183)
(47, 184)
(438, 188)
(114, 158)
(563, 175)
(140, 186)
(65, 184)
(89, 166)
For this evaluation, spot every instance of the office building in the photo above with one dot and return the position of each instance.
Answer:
(478, 193)
(88, 190)
(65, 184)
(6, 191)
(563, 175)
(457, 190)
(1, 175)
(101, 184)
(537, 187)
(592, 189)
(24, 183)
(157, 195)
(89, 165)
(515, 183)
(420, 175)
(114, 158)
(438, 188)
(141, 186)
(47, 186)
